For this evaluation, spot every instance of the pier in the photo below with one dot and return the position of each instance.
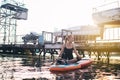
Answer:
(98, 49)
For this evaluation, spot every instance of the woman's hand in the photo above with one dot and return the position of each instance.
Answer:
(59, 57)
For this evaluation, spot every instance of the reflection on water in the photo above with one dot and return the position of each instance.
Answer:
(21, 68)
(27, 67)
(114, 57)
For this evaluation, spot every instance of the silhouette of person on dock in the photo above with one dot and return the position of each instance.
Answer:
(67, 50)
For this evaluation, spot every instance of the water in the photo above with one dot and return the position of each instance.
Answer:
(20, 68)
(28, 67)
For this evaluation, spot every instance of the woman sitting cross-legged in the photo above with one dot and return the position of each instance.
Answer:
(67, 50)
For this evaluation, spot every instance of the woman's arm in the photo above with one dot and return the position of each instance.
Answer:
(61, 51)
(75, 51)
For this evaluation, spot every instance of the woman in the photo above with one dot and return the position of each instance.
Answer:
(66, 53)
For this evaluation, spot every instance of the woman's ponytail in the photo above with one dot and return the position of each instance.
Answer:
(66, 39)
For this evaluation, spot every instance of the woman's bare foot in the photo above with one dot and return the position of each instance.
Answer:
(62, 61)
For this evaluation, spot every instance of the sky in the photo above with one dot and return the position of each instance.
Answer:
(53, 15)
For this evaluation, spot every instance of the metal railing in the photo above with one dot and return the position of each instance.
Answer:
(107, 6)
(18, 40)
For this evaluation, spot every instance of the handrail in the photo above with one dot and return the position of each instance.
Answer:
(106, 5)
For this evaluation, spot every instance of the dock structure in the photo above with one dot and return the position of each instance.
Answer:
(109, 24)
(9, 14)
(85, 42)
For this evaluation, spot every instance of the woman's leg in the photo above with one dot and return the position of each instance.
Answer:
(74, 60)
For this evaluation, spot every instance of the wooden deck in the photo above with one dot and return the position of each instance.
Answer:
(105, 46)
(99, 50)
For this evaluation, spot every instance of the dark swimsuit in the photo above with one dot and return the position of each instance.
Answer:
(67, 53)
